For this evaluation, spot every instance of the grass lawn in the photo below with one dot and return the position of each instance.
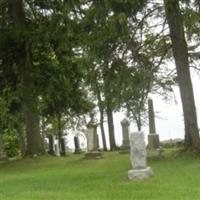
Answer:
(74, 178)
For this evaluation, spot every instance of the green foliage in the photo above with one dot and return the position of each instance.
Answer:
(64, 52)
(124, 54)
(10, 143)
(8, 118)
(191, 14)
(38, 59)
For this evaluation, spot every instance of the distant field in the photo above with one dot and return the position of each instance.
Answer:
(74, 178)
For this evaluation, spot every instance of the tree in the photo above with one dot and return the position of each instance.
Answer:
(43, 63)
(180, 53)
(106, 25)
(30, 99)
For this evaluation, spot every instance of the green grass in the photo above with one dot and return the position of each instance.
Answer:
(74, 178)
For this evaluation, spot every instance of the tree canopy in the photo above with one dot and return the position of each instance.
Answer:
(64, 59)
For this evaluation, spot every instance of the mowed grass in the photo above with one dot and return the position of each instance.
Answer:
(74, 178)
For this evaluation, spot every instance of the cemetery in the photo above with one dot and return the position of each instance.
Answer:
(99, 100)
(129, 173)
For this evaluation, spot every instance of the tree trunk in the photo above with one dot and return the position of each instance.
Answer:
(109, 110)
(59, 127)
(60, 133)
(138, 122)
(30, 99)
(102, 130)
(101, 110)
(180, 53)
(35, 144)
(111, 128)
(34, 140)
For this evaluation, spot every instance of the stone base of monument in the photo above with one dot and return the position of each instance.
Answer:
(140, 173)
(125, 148)
(93, 155)
(153, 141)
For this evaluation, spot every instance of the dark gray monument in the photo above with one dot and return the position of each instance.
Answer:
(153, 138)
(125, 148)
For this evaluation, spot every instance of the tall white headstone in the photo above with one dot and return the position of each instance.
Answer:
(138, 157)
(91, 137)
(91, 133)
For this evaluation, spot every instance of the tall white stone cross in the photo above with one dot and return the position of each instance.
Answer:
(92, 147)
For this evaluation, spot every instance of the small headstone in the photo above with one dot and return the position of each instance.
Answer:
(77, 145)
(125, 148)
(138, 157)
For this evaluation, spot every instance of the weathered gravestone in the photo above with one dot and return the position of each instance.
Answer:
(91, 133)
(153, 138)
(77, 145)
(125, 148)
(138, 157)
